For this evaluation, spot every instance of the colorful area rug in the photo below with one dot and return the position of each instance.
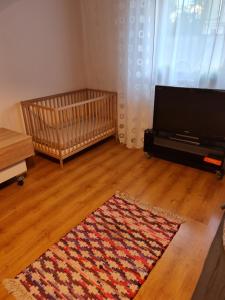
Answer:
(107, 256)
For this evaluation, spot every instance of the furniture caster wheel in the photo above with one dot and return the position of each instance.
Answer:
(219, 174)
(148, 155)
(222, 206)
(20, 180)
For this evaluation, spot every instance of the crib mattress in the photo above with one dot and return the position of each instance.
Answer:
(73, 135)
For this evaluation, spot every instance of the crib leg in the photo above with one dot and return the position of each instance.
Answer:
(61, 163)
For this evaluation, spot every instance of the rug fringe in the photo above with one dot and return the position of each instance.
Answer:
(154, 209)
(125, 196)
(15, 288)
(167, 214)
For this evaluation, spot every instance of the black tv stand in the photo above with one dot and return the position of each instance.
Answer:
(188, 150)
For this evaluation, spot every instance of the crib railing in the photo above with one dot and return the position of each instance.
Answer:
(64, 124)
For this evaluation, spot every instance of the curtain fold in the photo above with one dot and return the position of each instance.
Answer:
(132, 45)
(136, 30)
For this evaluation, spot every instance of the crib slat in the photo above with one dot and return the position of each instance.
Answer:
(108, 112)
(77, 125)
(43, 126)
(30, 118)
(80, 125)
(90, 128)
(87, 121)
(60, 128)
(101, 115)
(65, 100)
(24, 110)
(70, 99)
(39, 131)
(111, 111)
(46, 114)
(55, 102)
(63, 133)
(31, 131)
(112, 108)
(68, 125)
(76, 97)
(52, 132)
(25, 116)
(92, 118)
(79, 97)
(84, 125)
(96, 119)
(57, 122)
(74, 127)
(115, 112)
(62, 103)
(105, 113)
(71, 122)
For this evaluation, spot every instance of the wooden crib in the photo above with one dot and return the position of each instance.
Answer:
(64, 124)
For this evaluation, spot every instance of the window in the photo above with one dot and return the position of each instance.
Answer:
(189, 42)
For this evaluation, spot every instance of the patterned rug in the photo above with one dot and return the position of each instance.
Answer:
(107, 256)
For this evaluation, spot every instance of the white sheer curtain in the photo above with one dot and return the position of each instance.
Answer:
(136, 30)
(148, 42)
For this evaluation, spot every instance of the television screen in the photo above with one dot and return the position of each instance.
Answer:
(190, 111)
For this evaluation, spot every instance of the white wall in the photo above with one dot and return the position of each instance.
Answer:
(100, 36)
(40, 53)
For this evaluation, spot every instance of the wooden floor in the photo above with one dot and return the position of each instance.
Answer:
(53, 200)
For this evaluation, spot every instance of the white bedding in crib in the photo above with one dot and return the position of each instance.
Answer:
(69, 136)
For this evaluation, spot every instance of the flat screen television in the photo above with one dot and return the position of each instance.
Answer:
(190, 111)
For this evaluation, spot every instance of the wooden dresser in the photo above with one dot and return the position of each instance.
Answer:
(14, 149)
